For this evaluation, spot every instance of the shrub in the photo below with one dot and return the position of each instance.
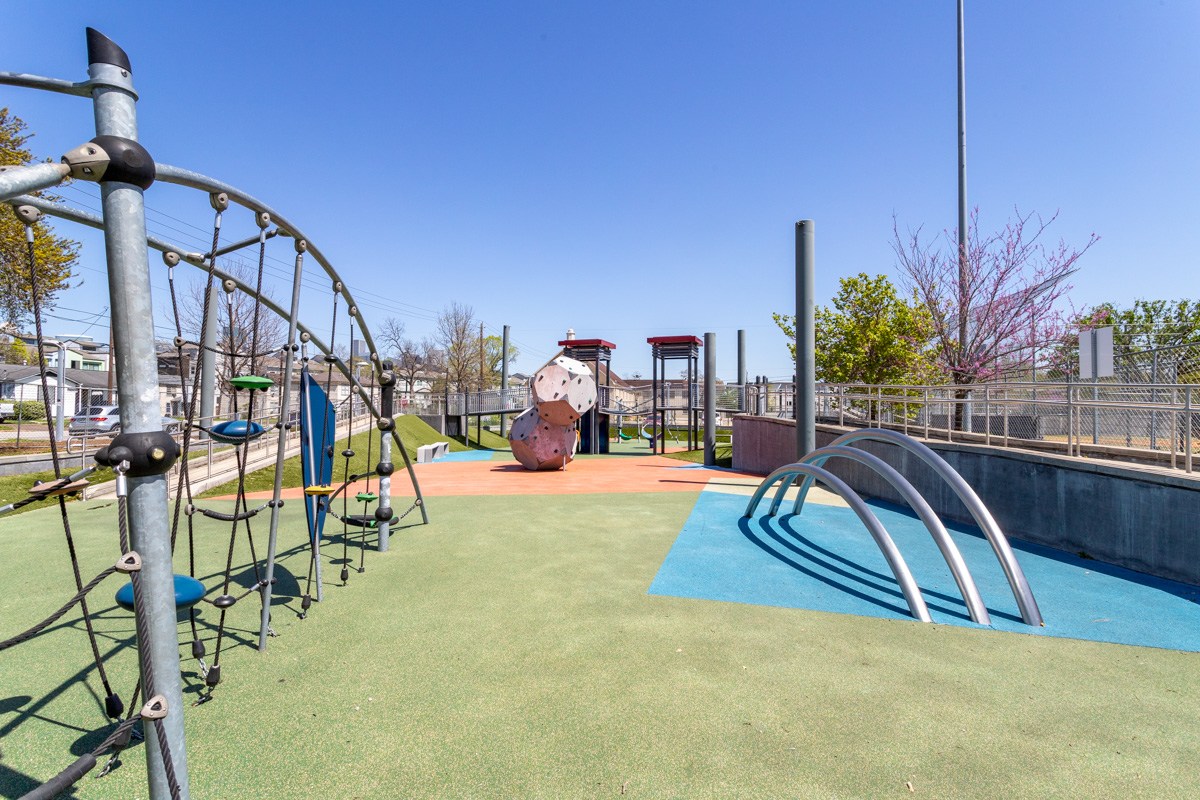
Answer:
(28, 410)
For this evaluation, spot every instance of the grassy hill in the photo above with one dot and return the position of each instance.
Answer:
(413, 432)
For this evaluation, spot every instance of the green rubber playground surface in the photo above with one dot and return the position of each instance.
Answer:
(510, 649)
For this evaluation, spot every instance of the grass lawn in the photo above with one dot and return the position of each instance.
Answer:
(16, 487)
(487, 441)
(724, 454)
(413, 432)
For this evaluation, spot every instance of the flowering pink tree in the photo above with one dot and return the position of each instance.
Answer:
(991, 315)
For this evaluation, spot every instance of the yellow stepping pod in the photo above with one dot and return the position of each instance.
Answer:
(319, 491)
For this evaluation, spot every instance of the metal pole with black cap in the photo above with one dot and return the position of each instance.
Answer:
(125, 170)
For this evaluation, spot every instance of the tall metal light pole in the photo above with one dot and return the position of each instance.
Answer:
(962, 190)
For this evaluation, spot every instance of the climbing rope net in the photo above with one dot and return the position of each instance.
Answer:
(125, 459)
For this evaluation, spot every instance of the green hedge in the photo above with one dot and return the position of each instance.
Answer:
(28, 410)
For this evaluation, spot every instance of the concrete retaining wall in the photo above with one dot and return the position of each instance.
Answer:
(1141, 519)
(435, 421)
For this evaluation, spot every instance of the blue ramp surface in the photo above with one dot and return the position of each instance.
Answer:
(825, 560)
(466, 455)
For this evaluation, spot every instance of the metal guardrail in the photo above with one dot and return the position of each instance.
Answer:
(612, 400)
(1161, 420)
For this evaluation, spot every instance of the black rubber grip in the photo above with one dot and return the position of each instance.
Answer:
(63, 780)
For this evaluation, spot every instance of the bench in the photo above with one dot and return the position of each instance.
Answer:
(428, 452)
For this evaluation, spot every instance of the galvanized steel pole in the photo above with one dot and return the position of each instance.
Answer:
(710, 399)
(114, 103)
(285, 401)
(962, 190)
(504, 381)
(741, 364)
(60, 393)
(208, 363)
(22, 180)
(806, 353)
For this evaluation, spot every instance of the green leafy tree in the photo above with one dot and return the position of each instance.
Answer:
(869, 335)
(14, 351)
(492, 346)
(1145, 325)
(55, 255)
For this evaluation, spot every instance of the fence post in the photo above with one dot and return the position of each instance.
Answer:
(1174, 435)
(1187, 428)
(1154, 401)
(949, 417)
(987, 415)
(1006, 418)
(925, 410)
(1070, 419)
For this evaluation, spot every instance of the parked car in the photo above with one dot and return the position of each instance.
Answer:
(106, 421)
(7, 411)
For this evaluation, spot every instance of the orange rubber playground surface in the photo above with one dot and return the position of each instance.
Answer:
(583, 476)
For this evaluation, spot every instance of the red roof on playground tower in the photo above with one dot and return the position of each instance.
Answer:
(675, 340)
(587, 343)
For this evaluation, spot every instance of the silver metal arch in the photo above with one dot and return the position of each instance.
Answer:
(958, 567)
(908, 586)
(93, 221)
(1028, 606)
(182, 177)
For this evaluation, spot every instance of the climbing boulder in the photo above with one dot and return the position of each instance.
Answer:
(563, 391)
(539, 444)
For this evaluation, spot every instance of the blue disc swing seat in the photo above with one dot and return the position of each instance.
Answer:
(188, 592)
(235, 431)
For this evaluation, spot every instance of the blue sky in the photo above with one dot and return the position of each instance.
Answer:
(633, 169)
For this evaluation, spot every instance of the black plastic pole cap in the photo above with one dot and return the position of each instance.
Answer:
(103, 50)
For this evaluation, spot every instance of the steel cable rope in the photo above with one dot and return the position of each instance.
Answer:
(348, 453)
(184, 484)
(326, 450)
(143, 635)
(25, 636)
(68, 777)
(171, 174)
(242, 456)
(112, 703)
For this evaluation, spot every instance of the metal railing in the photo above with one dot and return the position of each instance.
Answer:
(615, 400)
(1141, 421)
(489, 401)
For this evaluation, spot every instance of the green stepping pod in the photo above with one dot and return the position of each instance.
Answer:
(366, 497)
(251, 382)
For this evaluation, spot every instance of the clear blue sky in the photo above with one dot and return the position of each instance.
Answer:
(559, 164)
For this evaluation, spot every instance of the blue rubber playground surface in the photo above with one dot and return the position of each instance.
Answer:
(825, 560)
(466, 455)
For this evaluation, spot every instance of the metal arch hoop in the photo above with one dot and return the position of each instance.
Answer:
(1028, 606)
(962, 575)
(91, 220)
(908, 586)
(182, 177)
